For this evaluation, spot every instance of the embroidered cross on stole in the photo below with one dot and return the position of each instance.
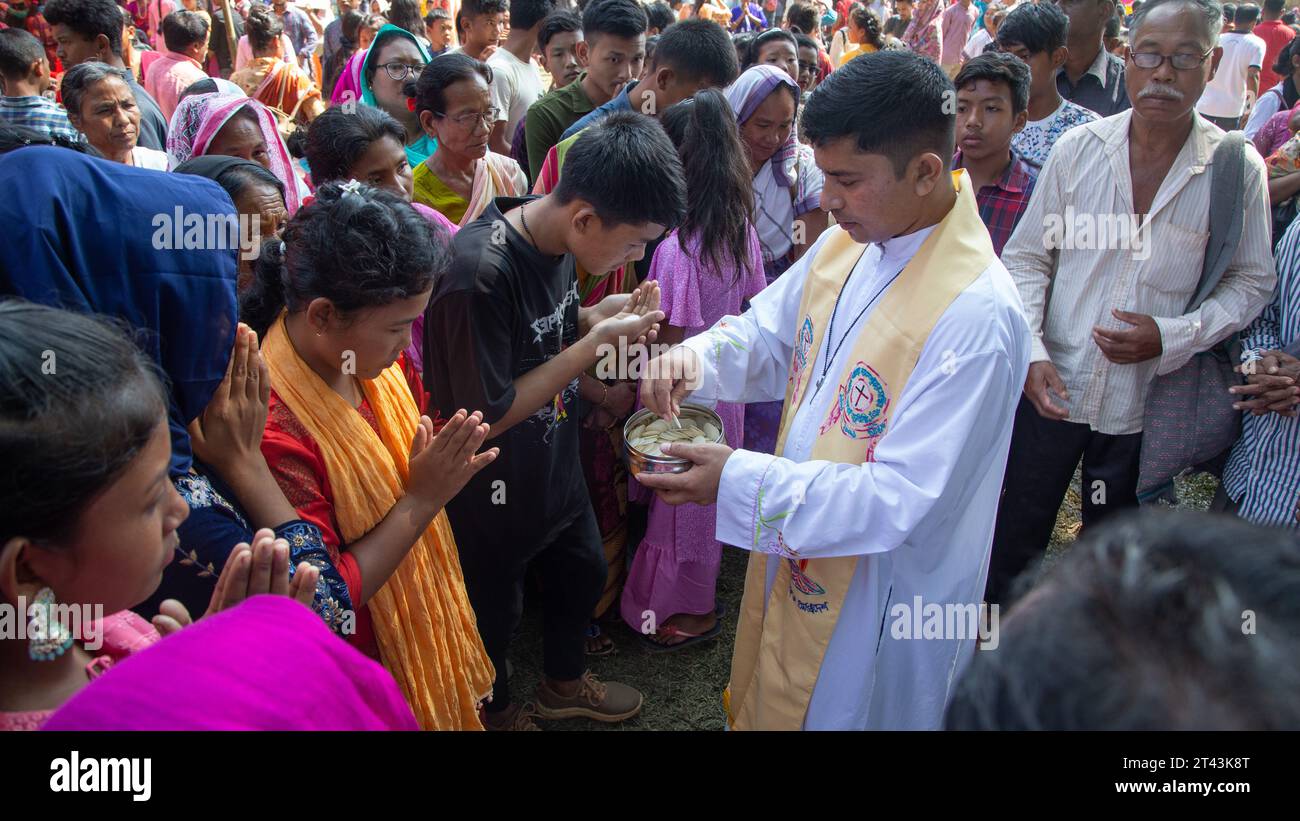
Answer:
(780, 647)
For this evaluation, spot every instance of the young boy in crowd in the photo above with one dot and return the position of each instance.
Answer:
(1036, 34)
(481, 26)
(612, 48)
(437, 29)
(505, 334)
(558, 45)
(992, 97)
(516, 76)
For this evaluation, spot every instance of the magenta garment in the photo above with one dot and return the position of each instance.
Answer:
(1274, 133)
(675, 569)
(415, 353)
(268, 664)
(348, 86)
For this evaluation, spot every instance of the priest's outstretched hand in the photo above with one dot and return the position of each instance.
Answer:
(699, 484)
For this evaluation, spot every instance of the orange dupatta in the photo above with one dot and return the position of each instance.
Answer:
(427, 634)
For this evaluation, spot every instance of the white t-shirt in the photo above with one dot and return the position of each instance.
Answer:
(516, 85)
(1225, 95)
(975, 45)
(142, 157)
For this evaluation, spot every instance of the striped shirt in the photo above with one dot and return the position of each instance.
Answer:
(1078, 239)
(38, 113)
(1263, 472)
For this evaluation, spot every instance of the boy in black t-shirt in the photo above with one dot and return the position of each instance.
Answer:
(504, 334)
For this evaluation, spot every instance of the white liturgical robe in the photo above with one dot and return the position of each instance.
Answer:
(920, 515)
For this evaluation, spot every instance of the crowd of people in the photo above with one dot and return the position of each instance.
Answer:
(351, 306)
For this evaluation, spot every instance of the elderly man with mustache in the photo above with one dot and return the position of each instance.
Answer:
(1107, 297)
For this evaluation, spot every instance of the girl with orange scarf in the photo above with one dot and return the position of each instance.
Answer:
(348, 444)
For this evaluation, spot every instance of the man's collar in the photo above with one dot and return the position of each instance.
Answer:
(1014, 178)
(1098, 67)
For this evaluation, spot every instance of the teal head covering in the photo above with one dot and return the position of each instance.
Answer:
(423, 147)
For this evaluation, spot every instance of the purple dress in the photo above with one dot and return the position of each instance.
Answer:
(675, 569)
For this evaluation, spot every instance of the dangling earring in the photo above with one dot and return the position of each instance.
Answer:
(47, 638)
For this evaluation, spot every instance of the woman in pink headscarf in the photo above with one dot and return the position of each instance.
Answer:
(235, 126)
(924, 34)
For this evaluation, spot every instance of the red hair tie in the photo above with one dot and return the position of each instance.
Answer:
(410, 104)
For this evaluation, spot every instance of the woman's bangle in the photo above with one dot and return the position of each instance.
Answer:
(604, 398)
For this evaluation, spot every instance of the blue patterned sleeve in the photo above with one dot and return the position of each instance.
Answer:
(331, 600)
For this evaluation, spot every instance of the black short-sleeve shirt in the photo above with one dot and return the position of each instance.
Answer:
(503, 309)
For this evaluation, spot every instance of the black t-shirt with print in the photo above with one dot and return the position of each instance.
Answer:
(502, 310)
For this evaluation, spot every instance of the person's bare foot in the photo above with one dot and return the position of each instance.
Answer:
(683, 623)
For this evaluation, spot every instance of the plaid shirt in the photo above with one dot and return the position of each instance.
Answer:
(1002, 203)
(38, 113)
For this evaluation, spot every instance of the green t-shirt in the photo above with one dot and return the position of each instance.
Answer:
(550, 117)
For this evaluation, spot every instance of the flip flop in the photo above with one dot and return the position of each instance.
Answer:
(594, 631)
(690, 638)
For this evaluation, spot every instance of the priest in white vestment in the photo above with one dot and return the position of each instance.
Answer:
(899, 345)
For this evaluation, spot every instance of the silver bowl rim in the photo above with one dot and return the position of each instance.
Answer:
(641, 413)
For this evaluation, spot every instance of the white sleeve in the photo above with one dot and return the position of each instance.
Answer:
(746, 358)
(820, 509)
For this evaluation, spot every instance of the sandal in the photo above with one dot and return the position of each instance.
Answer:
(689, 638)
(595, 633)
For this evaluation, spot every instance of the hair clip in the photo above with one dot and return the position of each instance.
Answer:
(352, 188)
(410, 104)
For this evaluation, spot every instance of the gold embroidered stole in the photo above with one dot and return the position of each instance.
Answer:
(778, 653)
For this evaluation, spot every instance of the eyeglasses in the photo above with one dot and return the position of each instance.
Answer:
(397, 72)
(1181, 61)
(471, 119)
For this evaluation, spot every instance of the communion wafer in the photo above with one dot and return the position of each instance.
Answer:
(650, 436)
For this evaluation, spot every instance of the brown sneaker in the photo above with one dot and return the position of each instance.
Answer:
(516, 718)
(599, 701)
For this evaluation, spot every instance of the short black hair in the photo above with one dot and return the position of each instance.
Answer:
(524, 14)
(1229, 12)
(88, 18)
(621, 18)
(1112, 27)
(1142, 626)
(18, 50)
(753, 46)
(1245, 13)
(801, 17)
(1274, 6)
(438, 13)
(804, 41)
(338, 138)
(1289, 18)
(629, 171)
(430, 88)
(660, 15)
(1038, 27)
(998, 67)
(560, 21)
(182, 29)
(894, 103)
(474, 8)
(405, 14)
(698, 50)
